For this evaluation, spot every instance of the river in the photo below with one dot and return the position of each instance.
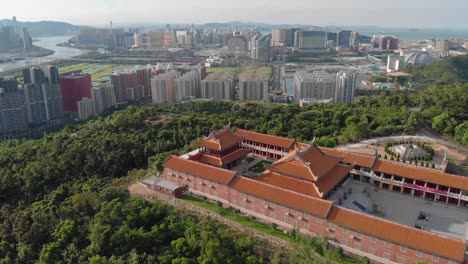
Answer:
(48, 43)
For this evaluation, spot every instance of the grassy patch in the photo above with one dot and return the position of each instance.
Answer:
(229, 214)
(75, 67)
(96, 71)
(221, 69)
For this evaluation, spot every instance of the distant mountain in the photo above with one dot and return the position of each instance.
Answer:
(47, 28)
(258, 26)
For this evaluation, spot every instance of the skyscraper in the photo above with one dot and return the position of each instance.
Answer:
(253, 87)
(344, 38)
(74, 87)
(163, 87)
(310, 41)
(261, 47)
(42, 94)
(12, 107)
(345, 87)
(103, 97)
(317, 85)
(218, 85)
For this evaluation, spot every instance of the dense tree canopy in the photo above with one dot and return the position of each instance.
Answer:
(61, 199)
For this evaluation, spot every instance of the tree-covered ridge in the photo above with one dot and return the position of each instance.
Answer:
(59, 203)
(443, 72)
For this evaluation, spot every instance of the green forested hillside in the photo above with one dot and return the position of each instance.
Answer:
(443, 72)
(63, 198)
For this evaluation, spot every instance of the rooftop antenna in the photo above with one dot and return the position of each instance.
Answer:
(111, 25)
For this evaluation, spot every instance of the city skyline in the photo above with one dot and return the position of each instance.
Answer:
(418, 13)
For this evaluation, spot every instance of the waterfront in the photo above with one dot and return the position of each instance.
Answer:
(47, 43)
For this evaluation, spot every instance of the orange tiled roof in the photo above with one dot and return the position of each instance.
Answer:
(200, 170)
(220, 140)
(326, 183)
(224, 160)
(292, 184)
(277, 141)
(400, 234)
(423, 174)
(349, 157)
(309, 163)
(314, 206)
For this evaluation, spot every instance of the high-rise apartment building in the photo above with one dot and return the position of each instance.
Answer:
(74, 87)
(43, 95)
(385, 42)
(187, 86)
(86, 108)
(260, 48)
(345, 87)
(131, 84)
(310, 41)
(318, 85)
(12, 107)
(354, 41)
(163, 87)
(253, 87)
(219, 85)
(104, 98)
(237, 45)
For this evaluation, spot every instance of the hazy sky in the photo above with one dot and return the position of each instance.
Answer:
(396, 13)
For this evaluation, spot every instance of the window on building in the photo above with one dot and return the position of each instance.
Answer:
(332, 226)
(344, 242)
(373, 240)
(401, 260)
(386, 255)
(435, 258)
(403, 248)
(262, 211)
(283, 219)
(272, 215)
(419, 253)
(388, 244)
(233, 202)
(372, 250)
(294, 222)
(344, 230)
(357, 246)
(306, 227)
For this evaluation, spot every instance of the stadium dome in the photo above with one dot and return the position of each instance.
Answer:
(419, 58)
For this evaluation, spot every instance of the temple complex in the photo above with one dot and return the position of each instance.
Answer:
(344, 196)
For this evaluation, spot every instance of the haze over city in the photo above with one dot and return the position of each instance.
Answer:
(399, 13)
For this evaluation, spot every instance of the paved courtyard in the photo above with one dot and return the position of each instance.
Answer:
(437, 217)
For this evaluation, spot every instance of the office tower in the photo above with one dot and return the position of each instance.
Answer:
(42, 94)
(318, 85)
(343, 38)
(160, 39)
(278, 37)
(163, 87)
(237, 45)
(354, 41)
(385, 42)
(310, 41)
(13, 115)
(27, 40)
(74, 87)
(138, 40)
(53, 92)
(184, 37)
(219, 85)
(253, 87)
(86, 108)
(103, 97)
(261, 47)
(6, 41)
(345, 87)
